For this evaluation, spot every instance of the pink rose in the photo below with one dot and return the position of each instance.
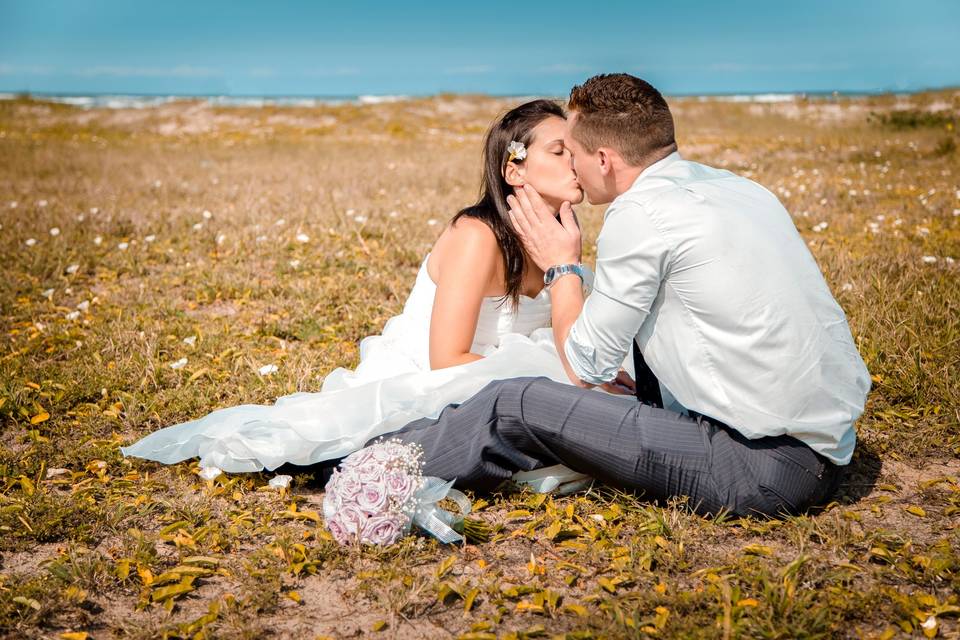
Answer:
(348, 484)
(382, 530)
(373, 497)
(400, 485)
(337, 531)
(352, 518)
(357, 458)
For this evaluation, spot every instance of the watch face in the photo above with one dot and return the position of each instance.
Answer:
(549, 275)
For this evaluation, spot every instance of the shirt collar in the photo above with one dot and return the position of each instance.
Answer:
(659, 165)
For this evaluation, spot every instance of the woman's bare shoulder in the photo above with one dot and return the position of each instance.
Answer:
(467, 239)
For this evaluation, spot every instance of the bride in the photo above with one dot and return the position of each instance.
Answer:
(477, 312)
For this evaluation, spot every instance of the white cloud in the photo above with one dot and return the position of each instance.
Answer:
(181, 71)
(24, 69)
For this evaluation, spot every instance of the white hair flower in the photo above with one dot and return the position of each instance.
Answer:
(517, 151)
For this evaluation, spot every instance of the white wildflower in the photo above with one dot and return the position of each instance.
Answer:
(517, 151)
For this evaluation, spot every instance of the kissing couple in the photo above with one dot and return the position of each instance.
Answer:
(704, 356)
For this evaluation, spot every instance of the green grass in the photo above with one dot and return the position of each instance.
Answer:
(93, 543)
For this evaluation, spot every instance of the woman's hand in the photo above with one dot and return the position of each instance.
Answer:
(548, 242)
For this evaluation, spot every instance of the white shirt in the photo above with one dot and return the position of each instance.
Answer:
(707, 272)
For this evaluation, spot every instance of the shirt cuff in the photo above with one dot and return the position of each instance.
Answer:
(582, 357)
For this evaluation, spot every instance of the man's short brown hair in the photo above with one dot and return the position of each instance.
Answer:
(625, 113)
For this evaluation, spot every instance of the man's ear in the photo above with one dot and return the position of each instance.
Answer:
(514, 174)
(605, 161)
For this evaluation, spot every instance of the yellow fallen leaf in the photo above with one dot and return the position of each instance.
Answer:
(758, 550)
(747, 602)
(917, 511)
(293, 595)
(74, 635)
(43, 416)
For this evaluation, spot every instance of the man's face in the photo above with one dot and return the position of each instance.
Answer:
(585, 164)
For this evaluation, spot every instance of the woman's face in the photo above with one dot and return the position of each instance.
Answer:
(547, 167)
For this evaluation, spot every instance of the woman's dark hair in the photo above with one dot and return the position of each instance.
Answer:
(516, 124)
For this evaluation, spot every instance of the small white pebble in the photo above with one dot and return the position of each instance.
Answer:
(42, 203)
(221, 238)
(280, 222)
(150, 238)
(98, 240)
(929, 259)
(123, 246)
(198, 226)
(157, 183)
(83, 306)
(73, 315)
(360, 219)
(393, 214)
(30, 242)
(14, 203)
(210, 473)
(207, 215)
(431, 222)
(949, 260)
(81, 217)
(55, 231)
(847, 286)
(280, 482)
(73, 268)
(268, 369)
(48, 294)
(179, 364)
(190, 340)
(294, 263)
(94, 210)
(303, 238)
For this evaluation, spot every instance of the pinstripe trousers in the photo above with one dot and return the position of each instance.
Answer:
(521, 424)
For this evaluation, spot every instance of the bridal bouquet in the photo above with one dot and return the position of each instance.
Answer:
(379, 493)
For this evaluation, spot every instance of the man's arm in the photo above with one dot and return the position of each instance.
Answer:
(593, 337)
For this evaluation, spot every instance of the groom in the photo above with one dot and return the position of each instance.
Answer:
(748, 378)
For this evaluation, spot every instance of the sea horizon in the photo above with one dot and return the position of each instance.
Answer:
(128, 100)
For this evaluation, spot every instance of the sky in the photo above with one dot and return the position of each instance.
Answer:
(512, 47)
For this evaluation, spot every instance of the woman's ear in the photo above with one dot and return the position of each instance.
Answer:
(514, 175)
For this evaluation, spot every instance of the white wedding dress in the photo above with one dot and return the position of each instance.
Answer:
(392, 386)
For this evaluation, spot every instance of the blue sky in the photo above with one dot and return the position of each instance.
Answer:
(500, 47)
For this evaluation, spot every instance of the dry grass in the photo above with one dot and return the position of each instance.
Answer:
(92, 318)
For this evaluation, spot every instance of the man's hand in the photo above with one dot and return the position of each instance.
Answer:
(622, 385)
(547, 241)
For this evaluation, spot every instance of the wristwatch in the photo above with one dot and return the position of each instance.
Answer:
(554, 273)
